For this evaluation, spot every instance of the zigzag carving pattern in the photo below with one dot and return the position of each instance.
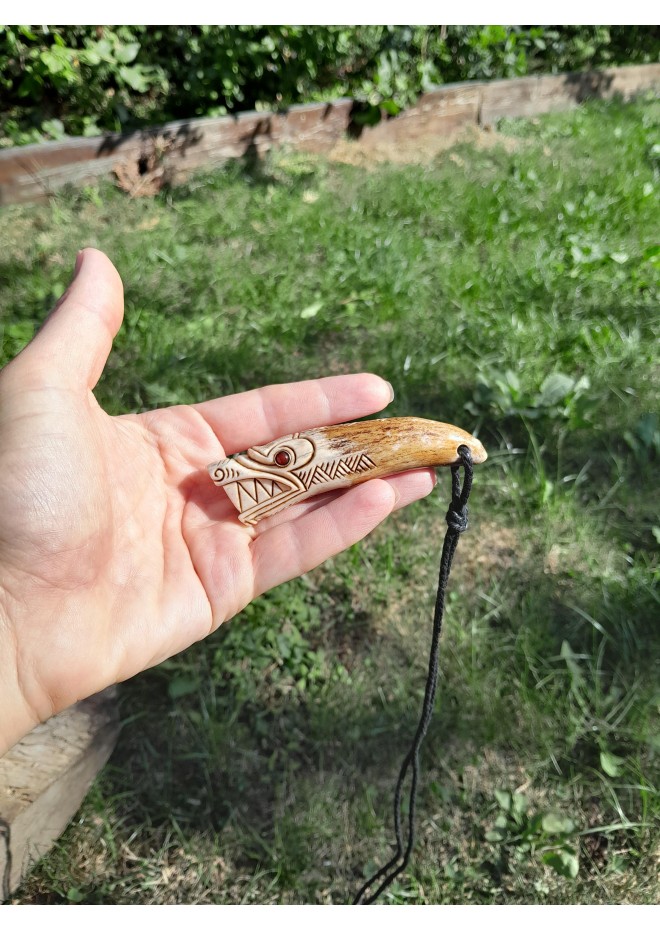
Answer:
(335, 468)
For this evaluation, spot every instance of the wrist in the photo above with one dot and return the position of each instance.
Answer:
(16, 716)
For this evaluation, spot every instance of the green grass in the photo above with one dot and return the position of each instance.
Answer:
(513, 291)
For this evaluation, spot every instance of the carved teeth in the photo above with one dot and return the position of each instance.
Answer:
(247, 492)
(265, 490)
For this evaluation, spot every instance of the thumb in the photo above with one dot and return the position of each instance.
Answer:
(74, 342)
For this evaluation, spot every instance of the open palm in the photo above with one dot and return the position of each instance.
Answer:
(116, 550)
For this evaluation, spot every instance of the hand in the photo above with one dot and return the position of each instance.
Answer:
(116, 550)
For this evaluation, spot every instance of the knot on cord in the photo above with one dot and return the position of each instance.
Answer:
(457, 517)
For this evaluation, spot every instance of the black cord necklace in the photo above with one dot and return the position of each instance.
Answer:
(457, 523)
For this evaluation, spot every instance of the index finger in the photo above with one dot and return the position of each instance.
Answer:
(259, 416)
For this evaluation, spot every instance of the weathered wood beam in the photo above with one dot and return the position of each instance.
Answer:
(33, 172)
(44, 779)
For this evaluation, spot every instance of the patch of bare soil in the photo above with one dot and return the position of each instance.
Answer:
(488, 550)
(365, 151)
(492, 548)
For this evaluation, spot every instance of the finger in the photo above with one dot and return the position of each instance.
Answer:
(412, 486)
(256, 417)
(409, 486)
(73, 345)
(291, 549)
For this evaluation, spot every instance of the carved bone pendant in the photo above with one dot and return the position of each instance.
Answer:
(266, 479)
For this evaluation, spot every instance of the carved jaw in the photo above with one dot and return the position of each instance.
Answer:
(266, 479)
(262, 481)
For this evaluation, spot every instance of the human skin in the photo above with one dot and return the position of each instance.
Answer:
(116, 550)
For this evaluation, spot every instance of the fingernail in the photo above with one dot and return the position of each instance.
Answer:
(76, 268)
(78, 264)
(391, 391)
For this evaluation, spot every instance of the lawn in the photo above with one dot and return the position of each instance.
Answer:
(511, 289)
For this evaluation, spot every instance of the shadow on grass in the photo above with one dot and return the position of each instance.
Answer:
(212, 760)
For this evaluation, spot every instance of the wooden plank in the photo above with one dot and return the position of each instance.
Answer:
(39, 184)
(44, 779)
(315, 128)
(625, 82)
(438, 113)
(524, 97)
(531, 96)
(33, 172)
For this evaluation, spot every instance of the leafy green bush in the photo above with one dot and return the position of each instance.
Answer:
(83, 80)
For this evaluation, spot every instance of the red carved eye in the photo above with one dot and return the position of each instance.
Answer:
(282, 458)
